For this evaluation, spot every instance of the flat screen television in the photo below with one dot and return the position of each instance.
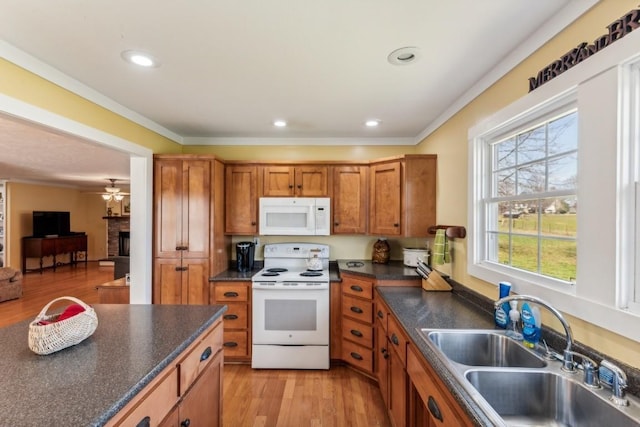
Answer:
(49, 223)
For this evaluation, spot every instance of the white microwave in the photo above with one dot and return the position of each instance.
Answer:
(295, 216)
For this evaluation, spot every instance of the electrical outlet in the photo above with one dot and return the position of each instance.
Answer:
(256, 241)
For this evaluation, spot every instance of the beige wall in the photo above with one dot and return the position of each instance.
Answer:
(86, 212)
(450, 143)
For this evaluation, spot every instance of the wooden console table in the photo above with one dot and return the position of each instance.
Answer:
(40, 247)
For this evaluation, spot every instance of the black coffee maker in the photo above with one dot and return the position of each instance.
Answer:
(244, 255)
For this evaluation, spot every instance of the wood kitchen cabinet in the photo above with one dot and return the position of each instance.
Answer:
(430, 402)
(391, 356)
(299, 180)
(350, 198)
(187, 392)
(357, 322)
(241, 199)
(402, 198)
(237, 320)
(189, 242)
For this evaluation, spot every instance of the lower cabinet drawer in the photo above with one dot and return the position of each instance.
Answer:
(357, 332)
(357, 308)
(236, 316)
(198, 358)
(154, 405)
(357, 355)
(236, 344)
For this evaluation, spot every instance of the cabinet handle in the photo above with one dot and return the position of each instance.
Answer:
(357, 310)
(231, 294)
(182, 248)
(290, 186)
(230, 344)
(299, 187)
(230, 316)
(356, 288)
(181, 268)
(380, 314)
(205, 354)
(336, 224)
(145, 422)
(385, 353)
(356, 332)
(185, 423)
(356, 355)
(394, 339)
(433, 408)
(253, 223)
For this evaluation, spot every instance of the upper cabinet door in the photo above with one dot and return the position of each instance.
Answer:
(182, 207)
(311, 181)
(241, 199)
(384, 201)
(278, 181)
(350, 199)
(290, 181)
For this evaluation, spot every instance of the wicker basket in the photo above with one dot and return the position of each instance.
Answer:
(49, 338)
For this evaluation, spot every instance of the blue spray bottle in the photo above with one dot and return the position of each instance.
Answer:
(502, 313)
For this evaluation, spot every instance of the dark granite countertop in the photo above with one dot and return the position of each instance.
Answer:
(415, 308)
(87, 384)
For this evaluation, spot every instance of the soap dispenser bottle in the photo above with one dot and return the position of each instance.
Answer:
(513, 330)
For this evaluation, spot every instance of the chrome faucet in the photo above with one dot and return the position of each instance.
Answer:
(617, 381)
(568, 364)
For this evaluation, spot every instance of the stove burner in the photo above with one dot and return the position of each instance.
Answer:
(276, 270)
(310, 273)
(270, 273)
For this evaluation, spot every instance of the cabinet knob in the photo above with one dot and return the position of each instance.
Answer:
(385, 353)
(433, 408)
(299, 187)
(356, 355)
(336, 224)
(396, 225)
(185, 423)
(380, 314)
(290, 186)
(253, 223)
(394, 339)
(145, 422)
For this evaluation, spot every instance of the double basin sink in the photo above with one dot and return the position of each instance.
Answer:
(516, 386)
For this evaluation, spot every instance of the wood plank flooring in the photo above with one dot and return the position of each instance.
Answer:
(38, 289)
(338, 397)
(252, 398)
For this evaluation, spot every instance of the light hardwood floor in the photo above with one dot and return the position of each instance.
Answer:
(278, 398)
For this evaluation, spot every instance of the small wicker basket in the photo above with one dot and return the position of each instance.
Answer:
(52, 337)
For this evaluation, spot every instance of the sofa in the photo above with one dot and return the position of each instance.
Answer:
(10, 283)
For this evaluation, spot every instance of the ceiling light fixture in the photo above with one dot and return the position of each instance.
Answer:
(372, 123)
(280, 123)
(140, 58)
(404, 55)
(112, 193)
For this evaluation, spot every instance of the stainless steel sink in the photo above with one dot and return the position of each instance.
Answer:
(516, 386)
(483, 348)
(527, 398)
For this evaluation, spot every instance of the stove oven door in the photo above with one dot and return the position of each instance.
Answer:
(290, 316)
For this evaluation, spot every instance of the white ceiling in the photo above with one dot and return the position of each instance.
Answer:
(229, 67)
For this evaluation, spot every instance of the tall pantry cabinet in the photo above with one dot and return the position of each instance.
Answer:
(189, 241)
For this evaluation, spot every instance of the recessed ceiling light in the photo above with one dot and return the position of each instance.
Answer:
(140, 58)
(372, 123)
(404, 55)
(279, 123)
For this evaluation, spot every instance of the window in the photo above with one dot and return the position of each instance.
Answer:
(526, 220)
(531, 206)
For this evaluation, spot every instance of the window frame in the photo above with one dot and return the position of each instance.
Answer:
(607, 256)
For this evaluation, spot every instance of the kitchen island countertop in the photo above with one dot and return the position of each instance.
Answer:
(87, 384)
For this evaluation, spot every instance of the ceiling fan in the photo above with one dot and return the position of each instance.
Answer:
(113, 192)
